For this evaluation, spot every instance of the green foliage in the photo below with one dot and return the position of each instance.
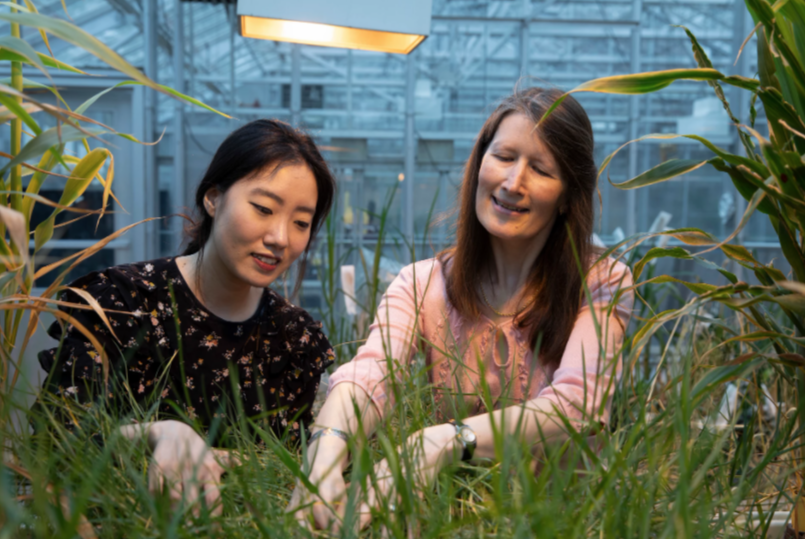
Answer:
(658, 471)
(46, 148)
(769, 318)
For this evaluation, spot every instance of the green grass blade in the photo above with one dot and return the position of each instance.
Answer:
(46, 140)
(19, 111)
(662, 172)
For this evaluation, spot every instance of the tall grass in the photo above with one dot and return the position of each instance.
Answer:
(655, 471)
(658, 470)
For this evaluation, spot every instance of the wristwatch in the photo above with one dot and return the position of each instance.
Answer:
(466, 437)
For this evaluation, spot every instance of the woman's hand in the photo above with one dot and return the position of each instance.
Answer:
(325, 510)
(182, 460)
(430, 450)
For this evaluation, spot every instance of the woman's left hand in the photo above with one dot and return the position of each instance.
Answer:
(430, 450)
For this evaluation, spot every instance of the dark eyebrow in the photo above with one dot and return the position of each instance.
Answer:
(279, 200)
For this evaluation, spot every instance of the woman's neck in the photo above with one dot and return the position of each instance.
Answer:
(217, 288)
(513, 261)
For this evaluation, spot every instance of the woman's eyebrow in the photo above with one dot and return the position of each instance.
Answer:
(279, 200)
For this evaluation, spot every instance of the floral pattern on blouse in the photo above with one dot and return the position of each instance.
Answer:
(269, 364)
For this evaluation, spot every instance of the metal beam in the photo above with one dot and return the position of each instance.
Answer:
(410, 148)
(634, 118)
(178, 185)
(151, 186)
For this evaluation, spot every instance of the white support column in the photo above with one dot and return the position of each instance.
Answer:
(296, 85)
(524, 50)
(178, 197)
(233, 98)
(739, 104)
(634, 118)
(151, 184)
(410, 149)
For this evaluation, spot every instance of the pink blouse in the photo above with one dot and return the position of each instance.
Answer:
(415, 314)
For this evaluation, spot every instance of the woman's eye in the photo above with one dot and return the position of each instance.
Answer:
(303, 225)
(262, 209)
(504, 158)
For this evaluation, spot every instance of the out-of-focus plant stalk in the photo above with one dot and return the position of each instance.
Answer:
(16, 123)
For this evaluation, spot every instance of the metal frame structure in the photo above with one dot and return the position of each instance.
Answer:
(408, 123)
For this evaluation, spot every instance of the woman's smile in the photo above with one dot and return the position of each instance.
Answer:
(266, 263)
(507, 209)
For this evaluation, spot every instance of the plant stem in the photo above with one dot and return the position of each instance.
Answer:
(16, 123)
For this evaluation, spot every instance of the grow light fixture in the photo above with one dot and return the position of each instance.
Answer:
(396, 26)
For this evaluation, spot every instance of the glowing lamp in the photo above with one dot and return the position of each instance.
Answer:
(396, 26)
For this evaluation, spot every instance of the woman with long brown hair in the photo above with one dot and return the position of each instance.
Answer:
(504, 310)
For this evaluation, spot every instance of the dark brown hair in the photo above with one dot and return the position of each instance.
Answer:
(249, 149)
(555, 279)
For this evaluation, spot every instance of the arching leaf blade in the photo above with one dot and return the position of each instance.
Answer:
(663, 172)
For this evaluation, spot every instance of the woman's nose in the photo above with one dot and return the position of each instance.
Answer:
(277, 236)
(516, 176)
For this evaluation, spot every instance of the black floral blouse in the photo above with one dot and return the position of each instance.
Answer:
(269, 364)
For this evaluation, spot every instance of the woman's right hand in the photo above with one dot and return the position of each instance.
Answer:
(182, 460)
(324, 510)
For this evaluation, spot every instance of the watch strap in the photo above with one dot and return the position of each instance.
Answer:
(468, 448)
(328, 431)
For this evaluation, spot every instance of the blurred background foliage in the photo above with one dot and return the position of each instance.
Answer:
(688, 454)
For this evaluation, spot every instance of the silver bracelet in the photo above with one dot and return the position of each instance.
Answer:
(328, 431)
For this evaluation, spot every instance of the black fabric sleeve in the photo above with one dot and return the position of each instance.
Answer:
(312, 354)
(74, 367)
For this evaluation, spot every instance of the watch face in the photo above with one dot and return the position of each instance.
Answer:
(468, 435)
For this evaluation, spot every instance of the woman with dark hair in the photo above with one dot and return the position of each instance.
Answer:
(203, 333)
(504, 310)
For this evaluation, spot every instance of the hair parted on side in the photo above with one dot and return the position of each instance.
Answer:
(251, 148)
(555, 280)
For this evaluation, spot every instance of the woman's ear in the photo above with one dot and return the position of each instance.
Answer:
(211, 198)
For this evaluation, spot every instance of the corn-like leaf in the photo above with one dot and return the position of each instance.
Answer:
(755, 166)
(696, 288)
(790, 247)
(648, 82)
(46, 140)
(742, 178)
(82, 175)
(766, 69)
(703, 61)
(652, 81)
(792, 302)
(779, 111)
(80, 178)
(38, 308)
(6, 115)
(720, 375)
(662, 172)
(80, 38)
(107, 188)
(47, 61)
(32, 8)
(15, 223)
(96, 307)
(739, 253)
(659, 252)
(46, 163)
(753, 337)
(691, 236)
(80, 256)
(23, 50)
(20, 112)
(47, 202)
(761, 11)
(752, 205)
